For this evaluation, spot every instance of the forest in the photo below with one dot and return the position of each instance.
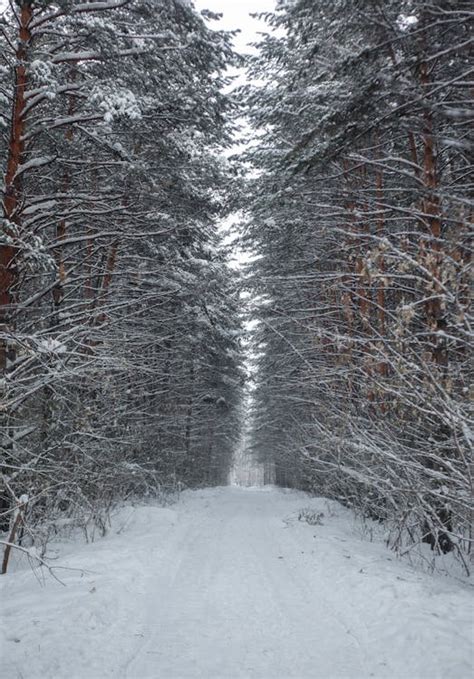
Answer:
(133, 356)
(119, 323)
(361, 223)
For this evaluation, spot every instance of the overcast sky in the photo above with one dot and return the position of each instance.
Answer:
(236, 14)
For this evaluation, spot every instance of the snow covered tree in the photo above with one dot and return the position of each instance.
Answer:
(361, 222)
(119, 338)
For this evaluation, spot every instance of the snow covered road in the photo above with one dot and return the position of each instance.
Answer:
(229, 584)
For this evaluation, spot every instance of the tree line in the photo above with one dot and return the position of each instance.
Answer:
(360, 223)
(120, 351)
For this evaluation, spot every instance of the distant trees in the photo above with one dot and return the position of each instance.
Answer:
(119, 334)
(361, 220)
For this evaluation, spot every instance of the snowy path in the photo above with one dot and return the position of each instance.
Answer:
(229, 584)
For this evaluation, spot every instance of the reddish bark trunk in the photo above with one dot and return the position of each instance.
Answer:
(432, 213)
(13, 181)
(107, 279)
(58, 291)
(381, 267)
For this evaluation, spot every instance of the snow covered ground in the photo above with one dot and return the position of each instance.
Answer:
(228, 583)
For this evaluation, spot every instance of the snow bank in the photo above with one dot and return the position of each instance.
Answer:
(231, 584)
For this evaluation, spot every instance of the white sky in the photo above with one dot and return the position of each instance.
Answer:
(236, 14)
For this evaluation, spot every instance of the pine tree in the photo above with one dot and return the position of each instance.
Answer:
(360, 225)
(120, 333)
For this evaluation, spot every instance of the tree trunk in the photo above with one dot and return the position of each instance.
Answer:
(13, 183)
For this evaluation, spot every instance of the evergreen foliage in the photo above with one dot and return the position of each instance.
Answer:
(120, 336)
(360, 222)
